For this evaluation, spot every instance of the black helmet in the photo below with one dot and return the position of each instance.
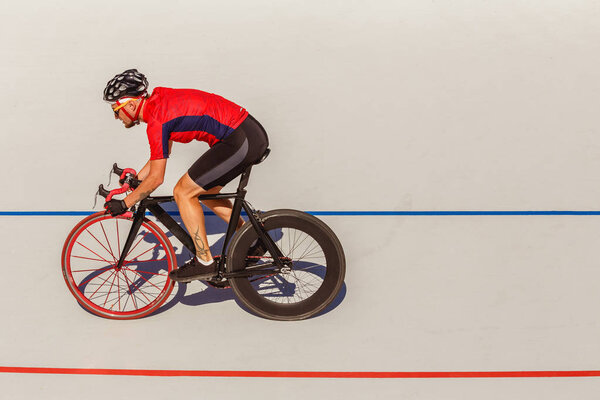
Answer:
(129, 83)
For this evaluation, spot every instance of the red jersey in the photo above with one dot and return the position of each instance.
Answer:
(183, 115)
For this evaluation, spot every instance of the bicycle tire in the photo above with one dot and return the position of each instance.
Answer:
(89, 257)
(285, 296)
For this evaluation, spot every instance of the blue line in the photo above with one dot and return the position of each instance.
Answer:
(340, 213)
(452, 213)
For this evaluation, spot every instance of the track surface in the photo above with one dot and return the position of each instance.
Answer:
(426, 297)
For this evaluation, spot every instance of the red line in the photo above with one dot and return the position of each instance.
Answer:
(300, 374)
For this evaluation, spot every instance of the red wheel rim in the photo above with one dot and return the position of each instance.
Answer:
(91, 254)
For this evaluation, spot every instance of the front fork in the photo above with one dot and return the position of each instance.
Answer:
(138, 218)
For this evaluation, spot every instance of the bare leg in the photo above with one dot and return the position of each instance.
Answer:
(186, 194)
(223, 208)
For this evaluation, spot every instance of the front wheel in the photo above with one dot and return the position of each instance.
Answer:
(317, 270)
(89, 258)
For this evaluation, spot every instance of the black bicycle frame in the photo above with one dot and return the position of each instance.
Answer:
(152, 204)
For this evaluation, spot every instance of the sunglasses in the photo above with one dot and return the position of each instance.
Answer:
(119, 106)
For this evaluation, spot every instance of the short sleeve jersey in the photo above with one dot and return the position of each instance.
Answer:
(183, 115)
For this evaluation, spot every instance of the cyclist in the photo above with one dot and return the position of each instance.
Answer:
(236, 141)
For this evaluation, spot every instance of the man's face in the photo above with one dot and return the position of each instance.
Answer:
(121, 115)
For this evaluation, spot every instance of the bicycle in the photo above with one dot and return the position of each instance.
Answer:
(300, 274)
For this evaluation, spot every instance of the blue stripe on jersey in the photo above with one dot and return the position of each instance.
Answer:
(166, 135)
(202, 123)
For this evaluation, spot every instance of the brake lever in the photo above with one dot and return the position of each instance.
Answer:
(110, 177)
(96, 198)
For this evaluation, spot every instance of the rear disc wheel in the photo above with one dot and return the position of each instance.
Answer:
(315, 267)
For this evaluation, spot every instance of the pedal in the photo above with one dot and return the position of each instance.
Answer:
(222, 284)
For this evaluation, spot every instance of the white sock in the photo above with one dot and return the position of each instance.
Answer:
(201, 261)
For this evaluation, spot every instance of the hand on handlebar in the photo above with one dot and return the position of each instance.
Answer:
(128, 182)
(115, 207)
(126, 176)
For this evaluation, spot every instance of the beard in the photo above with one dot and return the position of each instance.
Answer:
(130, 124)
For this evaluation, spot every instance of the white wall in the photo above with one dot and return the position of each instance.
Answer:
(461, 105)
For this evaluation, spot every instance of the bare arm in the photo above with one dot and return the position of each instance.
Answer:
(146, 169)
(155, 178)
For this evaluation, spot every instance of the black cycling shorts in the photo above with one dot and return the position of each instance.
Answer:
(231, 156)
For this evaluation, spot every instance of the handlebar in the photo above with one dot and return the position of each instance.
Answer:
(126, 175)
(127, 181)
(103, 192)
(117, 170)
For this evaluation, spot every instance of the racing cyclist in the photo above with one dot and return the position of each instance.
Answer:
(236, 141)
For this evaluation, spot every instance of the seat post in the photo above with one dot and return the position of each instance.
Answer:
(244, 179)
(235, 213)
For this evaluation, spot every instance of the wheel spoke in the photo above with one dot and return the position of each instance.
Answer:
(305, 279)
(313, 246)
(96, 276)
(104, 281)
(119, 291)
(107, 241)
(104, 247)
(142, 261)
(111, 286)
(296, 245)
(313, 254)
(307, 268)
(299, 288)
(129, 292)
(87, 270)
(289, 241)
(138, 242)
(291, 251)
(87, 258)
(129, 284)
(314, 258)
(119, 297)
(149, 272)
(152, 248)
(103, 259)
(141, 276)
